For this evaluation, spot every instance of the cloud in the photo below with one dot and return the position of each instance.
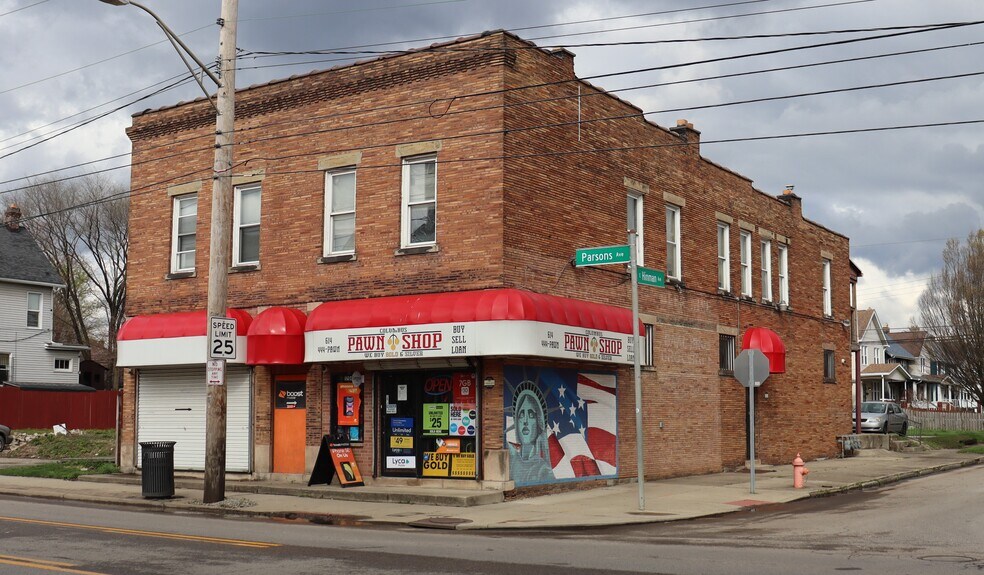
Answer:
(894, 296)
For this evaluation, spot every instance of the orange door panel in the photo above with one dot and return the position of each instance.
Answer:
(289, 417)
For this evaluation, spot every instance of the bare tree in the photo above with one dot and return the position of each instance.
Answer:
(952, 310)
(82, 228)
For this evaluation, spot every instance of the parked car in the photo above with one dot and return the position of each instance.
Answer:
(4, 436)
(883, 417)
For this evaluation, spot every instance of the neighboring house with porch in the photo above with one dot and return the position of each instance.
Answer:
(898, 366)
(929, 386)
(29, 359)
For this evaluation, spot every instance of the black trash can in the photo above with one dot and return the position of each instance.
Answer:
(157, 473)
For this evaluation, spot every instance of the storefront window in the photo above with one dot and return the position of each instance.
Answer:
(429, 424)
(348, 419)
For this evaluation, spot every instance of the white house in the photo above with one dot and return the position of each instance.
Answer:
(29, 358)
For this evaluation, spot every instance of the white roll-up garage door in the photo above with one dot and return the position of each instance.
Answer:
(171, 407)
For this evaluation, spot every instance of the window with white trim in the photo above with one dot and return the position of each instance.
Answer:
(673, 265)
(766, 270)
(4, 367)
(63, 365)
(724, 256)
(339, 212)
(183, 233)
(419, 191)
(34, 301)
(634, 211)
(246, 225)
(783, 274)
(864, 355)
(827, 305)
(745, 243)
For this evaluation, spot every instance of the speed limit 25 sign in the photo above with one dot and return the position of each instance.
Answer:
(222, 338)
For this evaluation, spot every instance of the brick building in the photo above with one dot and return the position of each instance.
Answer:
(404, 230)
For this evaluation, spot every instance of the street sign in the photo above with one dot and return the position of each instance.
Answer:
(222, 338)
(744, 364)
(601, 256)
(650, 277)
(215, 371)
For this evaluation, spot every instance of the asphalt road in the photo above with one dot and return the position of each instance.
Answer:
(931, 525)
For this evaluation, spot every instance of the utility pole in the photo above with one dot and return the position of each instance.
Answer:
(220, 237)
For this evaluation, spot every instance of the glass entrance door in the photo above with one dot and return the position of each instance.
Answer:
(400, 423)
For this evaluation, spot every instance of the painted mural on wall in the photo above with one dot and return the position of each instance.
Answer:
(560, 424)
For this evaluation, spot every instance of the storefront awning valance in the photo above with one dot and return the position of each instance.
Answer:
(769, 343)
(276, 336)
(496, 322)
(173, 338)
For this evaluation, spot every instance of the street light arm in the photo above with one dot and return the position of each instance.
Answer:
(175, 40)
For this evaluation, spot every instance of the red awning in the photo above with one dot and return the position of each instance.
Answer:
(178, 324)
(769, 343)
(276, 336)
(470, 306)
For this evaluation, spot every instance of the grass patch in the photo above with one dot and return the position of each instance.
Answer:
(965, 441)
(82, 444)
(62, 469)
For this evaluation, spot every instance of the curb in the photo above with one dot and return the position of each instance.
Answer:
(895, 478)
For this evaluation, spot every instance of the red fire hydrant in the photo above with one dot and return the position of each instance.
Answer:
(799, 472)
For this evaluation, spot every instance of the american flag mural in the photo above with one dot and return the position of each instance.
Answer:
(560, 424)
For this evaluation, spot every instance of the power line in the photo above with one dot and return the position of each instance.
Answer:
(452, 48)
(96, 63)
(352, 11)
(543, 100)
(521, 156)
(23, 8)
(528, 128)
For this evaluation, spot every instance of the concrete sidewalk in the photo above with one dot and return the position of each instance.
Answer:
(666, 500)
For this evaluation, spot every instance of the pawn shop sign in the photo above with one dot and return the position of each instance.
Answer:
(751, 367)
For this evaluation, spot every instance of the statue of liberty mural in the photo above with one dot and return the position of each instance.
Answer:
(529, 451)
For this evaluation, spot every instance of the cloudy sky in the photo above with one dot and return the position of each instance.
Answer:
(897, 193)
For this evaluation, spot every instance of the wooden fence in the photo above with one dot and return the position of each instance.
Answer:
(37, 409)
(947, 420)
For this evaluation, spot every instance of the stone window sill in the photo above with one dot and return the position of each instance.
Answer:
(180, 275)
(416, 250)
(337, 259)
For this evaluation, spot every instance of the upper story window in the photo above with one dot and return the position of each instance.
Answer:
(766, 270)
(864, 355)
(745, 241)
(724, 256)
(783, 274)
(419, 215)
(673, 265)
(827, 306)
(635, 222)
(246, 225)
(183, 234)
(34, 301)
(4, 367)
(339, 212)
(63, 365)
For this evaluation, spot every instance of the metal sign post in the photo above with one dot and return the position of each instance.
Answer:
(637, 370)
(751, 369)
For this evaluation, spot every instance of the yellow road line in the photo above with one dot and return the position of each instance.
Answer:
(139, 533)
(44, 565)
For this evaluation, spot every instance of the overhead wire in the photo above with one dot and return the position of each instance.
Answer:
(677, 65)
(23, 8)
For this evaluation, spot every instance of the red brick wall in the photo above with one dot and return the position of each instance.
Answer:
(512, 208)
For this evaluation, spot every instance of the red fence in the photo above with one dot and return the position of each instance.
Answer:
(35, 409)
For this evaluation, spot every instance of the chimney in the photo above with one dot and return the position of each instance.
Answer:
(685, 130)
(885, 329)
(11, 218)
(789, 198)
